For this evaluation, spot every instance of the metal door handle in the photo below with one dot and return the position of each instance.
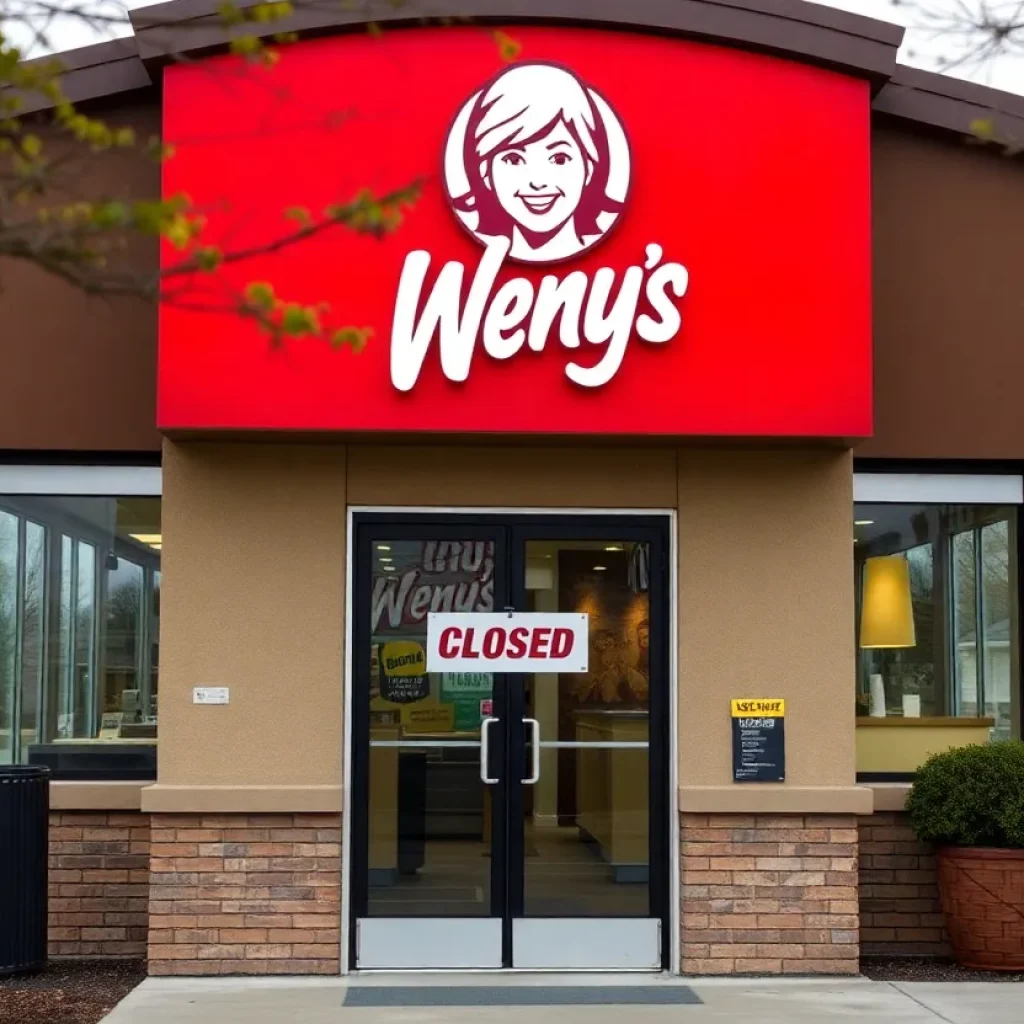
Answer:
(535, 731)
(485, 752)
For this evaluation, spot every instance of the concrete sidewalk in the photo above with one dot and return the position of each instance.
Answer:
(320, 1001)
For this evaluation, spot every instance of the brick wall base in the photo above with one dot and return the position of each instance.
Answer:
(245, 894)
(260, 894)
(769, 894)
(899, 896)
(99, 884)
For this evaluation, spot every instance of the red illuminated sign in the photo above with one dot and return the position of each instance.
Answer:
(618, 235)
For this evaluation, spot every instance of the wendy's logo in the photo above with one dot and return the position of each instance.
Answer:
(537, 157)
(537, 169)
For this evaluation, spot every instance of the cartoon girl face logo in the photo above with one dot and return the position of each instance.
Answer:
(539, 158)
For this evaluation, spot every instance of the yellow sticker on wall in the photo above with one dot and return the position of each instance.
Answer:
(763, 707)
(428, 717)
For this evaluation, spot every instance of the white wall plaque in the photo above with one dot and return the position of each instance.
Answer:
(210, 695)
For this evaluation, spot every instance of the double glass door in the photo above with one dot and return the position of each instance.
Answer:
(510, 820)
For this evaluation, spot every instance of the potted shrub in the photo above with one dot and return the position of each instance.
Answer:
(970, 803)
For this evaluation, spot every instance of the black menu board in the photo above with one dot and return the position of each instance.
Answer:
(759, 740)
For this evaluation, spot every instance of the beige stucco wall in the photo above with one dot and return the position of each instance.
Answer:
(492, 476)
(766, 608)
(253, 598)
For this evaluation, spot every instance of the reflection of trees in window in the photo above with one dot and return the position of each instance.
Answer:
(8, 631)
(62, 726)
(85, 640)
(33, 614)
(965, 623)
(996, 616)
(22, 610)
(984, 607)
(995, 562)
(917, 664)
(123, 620)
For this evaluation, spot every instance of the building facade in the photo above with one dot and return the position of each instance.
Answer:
(701, 330)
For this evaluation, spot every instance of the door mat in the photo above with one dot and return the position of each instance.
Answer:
(520, 995)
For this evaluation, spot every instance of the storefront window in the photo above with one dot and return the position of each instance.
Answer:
(33, 634)
(79, 638)
(8, 632)
(937, 625)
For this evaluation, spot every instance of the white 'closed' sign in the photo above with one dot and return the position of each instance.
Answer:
(499, 642)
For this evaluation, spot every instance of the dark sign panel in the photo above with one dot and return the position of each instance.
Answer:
(758, 740)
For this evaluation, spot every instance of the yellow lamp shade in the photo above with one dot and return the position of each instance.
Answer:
(887, 612)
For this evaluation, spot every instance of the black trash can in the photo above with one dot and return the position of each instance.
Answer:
(24, 836)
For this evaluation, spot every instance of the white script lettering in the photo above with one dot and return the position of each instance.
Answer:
(518, 314)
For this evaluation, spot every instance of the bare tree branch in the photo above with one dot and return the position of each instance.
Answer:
(86, 241)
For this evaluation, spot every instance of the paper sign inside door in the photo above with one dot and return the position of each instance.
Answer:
(500, 642)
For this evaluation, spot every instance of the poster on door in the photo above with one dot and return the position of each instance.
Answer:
(411, 579)
(468, 693)
(403, 666)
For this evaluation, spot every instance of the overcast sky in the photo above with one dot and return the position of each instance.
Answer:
(922, 47)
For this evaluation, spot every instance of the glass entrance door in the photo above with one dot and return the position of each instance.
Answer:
(509, 820)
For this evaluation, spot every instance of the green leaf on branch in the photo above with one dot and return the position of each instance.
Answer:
(230, 14)
(508, 47)
(112, 214)
(983, 128)
(208, 258)
(356, 338)
(273, 11)
(298, 320)
(158, 149)
(246, 46)
(260, 294)
(300, 215)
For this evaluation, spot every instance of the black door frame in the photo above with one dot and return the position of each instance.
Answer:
(510, 533)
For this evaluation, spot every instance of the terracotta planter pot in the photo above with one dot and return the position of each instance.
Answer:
(982, 892)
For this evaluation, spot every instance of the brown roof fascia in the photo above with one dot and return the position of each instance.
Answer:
(946, 104)
(796, 29)
(93, 72)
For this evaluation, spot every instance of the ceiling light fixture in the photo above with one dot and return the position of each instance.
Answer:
(600, 568)
(863, 522)
(614, 547)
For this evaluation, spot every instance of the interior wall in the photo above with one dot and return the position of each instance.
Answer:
(766, 607)
(252, 599)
